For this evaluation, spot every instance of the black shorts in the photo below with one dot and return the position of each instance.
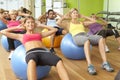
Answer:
(59, 31)
(42, 57)
(110, 32)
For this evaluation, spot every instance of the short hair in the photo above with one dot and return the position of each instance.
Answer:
(49, 11)
(13, 12)
(2, 10)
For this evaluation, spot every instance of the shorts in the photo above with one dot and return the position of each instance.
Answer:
(81, 38)
(42, 57)
(59, 31)
(110, 32)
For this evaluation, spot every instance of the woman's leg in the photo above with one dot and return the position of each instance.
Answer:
(105, 64)
(117, 36)
(11, 47)
(102, 49)
(118, 39)
(52, 44)
(106, 47)
(91, 68)
(31, 70)
(62, 71)
(87, 51)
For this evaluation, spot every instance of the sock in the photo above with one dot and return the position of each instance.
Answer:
(106, 48)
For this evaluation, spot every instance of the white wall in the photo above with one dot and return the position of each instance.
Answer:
(56, 5)
(38, 5)
(11, 4)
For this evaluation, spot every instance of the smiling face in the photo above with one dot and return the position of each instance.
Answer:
(13, 14)
(51, 14)
(29, 23)
(74, 13)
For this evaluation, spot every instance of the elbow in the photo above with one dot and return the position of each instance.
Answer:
(3, 32)
(94, 21)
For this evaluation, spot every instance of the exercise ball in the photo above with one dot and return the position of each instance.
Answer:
(5, 45)
(47, 41)
(70, 49)
(19, 65)
(2, 25)
(117, 77)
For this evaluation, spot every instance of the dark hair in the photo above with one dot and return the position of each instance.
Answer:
(28, 17)
(50, 10)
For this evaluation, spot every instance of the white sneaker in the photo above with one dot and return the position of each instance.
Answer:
(10, 55)
(107, 49)
(119, 48)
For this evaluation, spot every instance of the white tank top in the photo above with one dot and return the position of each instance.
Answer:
(51, 22)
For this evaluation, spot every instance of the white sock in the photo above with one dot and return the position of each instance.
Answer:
(106, 48)
(10, 55)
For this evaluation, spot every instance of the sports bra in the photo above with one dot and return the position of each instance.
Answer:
(31, 37)
(13, 24)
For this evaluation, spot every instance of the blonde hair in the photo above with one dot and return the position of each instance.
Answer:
(42, 18)
(28, 17)
(13, 12)
(2, 10)
(70, 12)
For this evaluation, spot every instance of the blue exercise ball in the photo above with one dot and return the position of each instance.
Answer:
(19, 65)
(5, 45)
(70, 49)
(2, 25)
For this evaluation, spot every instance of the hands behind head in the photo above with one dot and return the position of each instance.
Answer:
(80, 16)
(21, 26)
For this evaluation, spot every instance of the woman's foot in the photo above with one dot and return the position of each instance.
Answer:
(107, 67)
(91, 70)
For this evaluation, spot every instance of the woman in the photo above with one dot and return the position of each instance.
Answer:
(97, 28)
(36, 53)
(77, 30)
(51, 21)
(13, 23)
(3, 21)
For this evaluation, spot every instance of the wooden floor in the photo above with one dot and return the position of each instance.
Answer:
(77, 69)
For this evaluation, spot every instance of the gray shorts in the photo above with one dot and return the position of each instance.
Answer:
(81, 38)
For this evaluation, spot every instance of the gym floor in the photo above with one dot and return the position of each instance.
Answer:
(77, 69)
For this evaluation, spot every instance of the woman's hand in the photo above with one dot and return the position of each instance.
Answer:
(21, 27)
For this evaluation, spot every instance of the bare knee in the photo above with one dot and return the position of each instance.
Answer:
(102, 40)
(59, 63)
(87, 42)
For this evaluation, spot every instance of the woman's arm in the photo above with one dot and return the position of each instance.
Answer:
(8, 32)
(50, 29)
(42, 18)
(103, 22)
(60, 15)
(88, 21)
(63, 22)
